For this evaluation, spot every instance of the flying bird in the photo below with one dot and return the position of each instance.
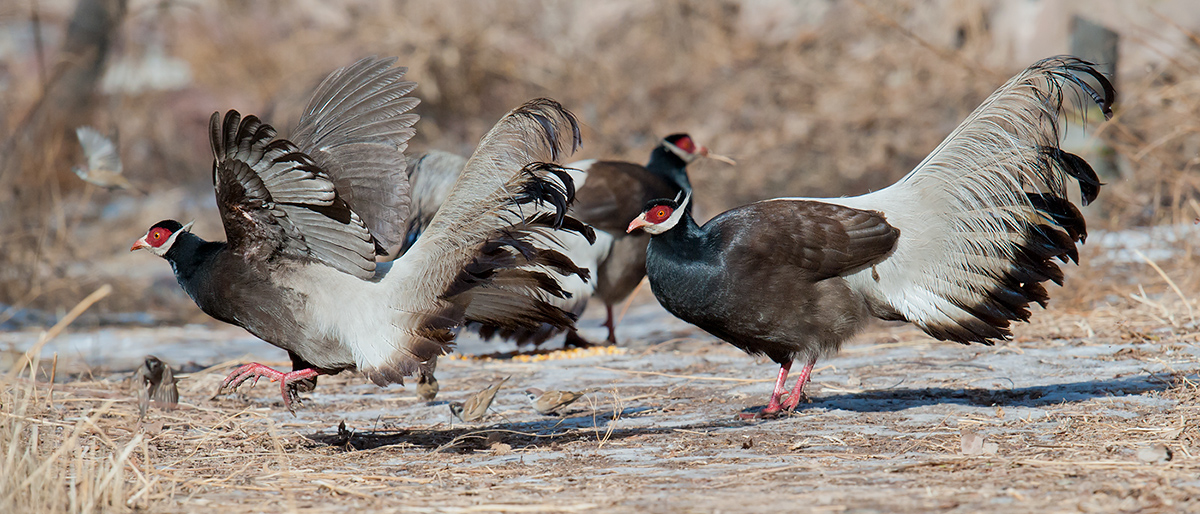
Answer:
(306, 217)
(154, 381)
(103, 167)
(476, 407)
(959, 247)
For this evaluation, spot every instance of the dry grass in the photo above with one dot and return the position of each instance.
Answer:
(76, 446)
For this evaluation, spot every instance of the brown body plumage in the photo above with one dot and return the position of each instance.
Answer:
(475, 408)
(553, 401)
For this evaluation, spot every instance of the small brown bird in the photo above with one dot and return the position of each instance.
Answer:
(427, 384)
(476, 407)
(103, 166)
(550, 402)
(155, 381)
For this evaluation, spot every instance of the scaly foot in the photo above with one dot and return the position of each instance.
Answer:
(289, 383)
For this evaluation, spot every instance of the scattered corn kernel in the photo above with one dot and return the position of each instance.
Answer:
(573, 353)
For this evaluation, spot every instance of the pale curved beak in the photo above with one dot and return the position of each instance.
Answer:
(716, 157)
(637, 223)
(139, 244)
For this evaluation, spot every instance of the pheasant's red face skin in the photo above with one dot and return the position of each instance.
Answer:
(160, 237)
(656, 219)
(659, 214)
(686, 144)
(157, 236)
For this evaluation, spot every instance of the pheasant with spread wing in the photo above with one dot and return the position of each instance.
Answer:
(959, 247)
(608, 195)
(306, 217)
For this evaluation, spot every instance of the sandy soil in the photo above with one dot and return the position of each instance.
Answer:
(1078, 413)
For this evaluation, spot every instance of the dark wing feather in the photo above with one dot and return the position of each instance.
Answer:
(816, 240)
(274, 199)
(356, 128)
(481, 255)
(615, 193)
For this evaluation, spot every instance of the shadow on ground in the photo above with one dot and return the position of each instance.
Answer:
(594, 426)
(530, 434)
(896, 399)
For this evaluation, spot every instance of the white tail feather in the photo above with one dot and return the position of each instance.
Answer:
(973, 247)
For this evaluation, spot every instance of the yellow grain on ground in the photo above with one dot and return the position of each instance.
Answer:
(573, 353)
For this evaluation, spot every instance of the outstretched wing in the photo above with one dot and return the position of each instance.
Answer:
(274, 199)
(431, 177)
(100, 151)
(982, 217)
(356, 128)
(434, 174)
(337, 192)
(490, 252)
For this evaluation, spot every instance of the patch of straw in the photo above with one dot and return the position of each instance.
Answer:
(1170, 282)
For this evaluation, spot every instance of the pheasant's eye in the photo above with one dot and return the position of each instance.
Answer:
(158, 235)
(659, 214)
(685, 143)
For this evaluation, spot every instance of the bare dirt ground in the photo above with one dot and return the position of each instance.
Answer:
(1092, 411)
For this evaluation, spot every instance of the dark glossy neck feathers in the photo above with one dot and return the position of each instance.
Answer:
(666, 164)
(192, 260)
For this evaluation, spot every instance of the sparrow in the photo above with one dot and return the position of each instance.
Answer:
(155, 381)
(103, 166)
(427, 384)
(475, 408)
(549, 402)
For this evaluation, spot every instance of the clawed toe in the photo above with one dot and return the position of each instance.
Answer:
(290, 384)
(790, 404)
(246, 372)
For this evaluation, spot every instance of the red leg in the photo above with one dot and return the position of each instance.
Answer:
(574, 340)
(289, 387)
(773, 406)
(797, 393)
(254, 370)
(611, 324)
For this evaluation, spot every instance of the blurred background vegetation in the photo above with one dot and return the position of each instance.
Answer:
(813, 98)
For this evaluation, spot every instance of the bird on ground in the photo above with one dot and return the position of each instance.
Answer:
(553, 401)
(154, 381)
(959, 247)
(103, 167)
(608, 194)
(306, 218)
(427, 384)
(476, 407)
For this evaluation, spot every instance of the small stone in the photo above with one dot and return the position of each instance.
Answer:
(501, 448)
(972, 443)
